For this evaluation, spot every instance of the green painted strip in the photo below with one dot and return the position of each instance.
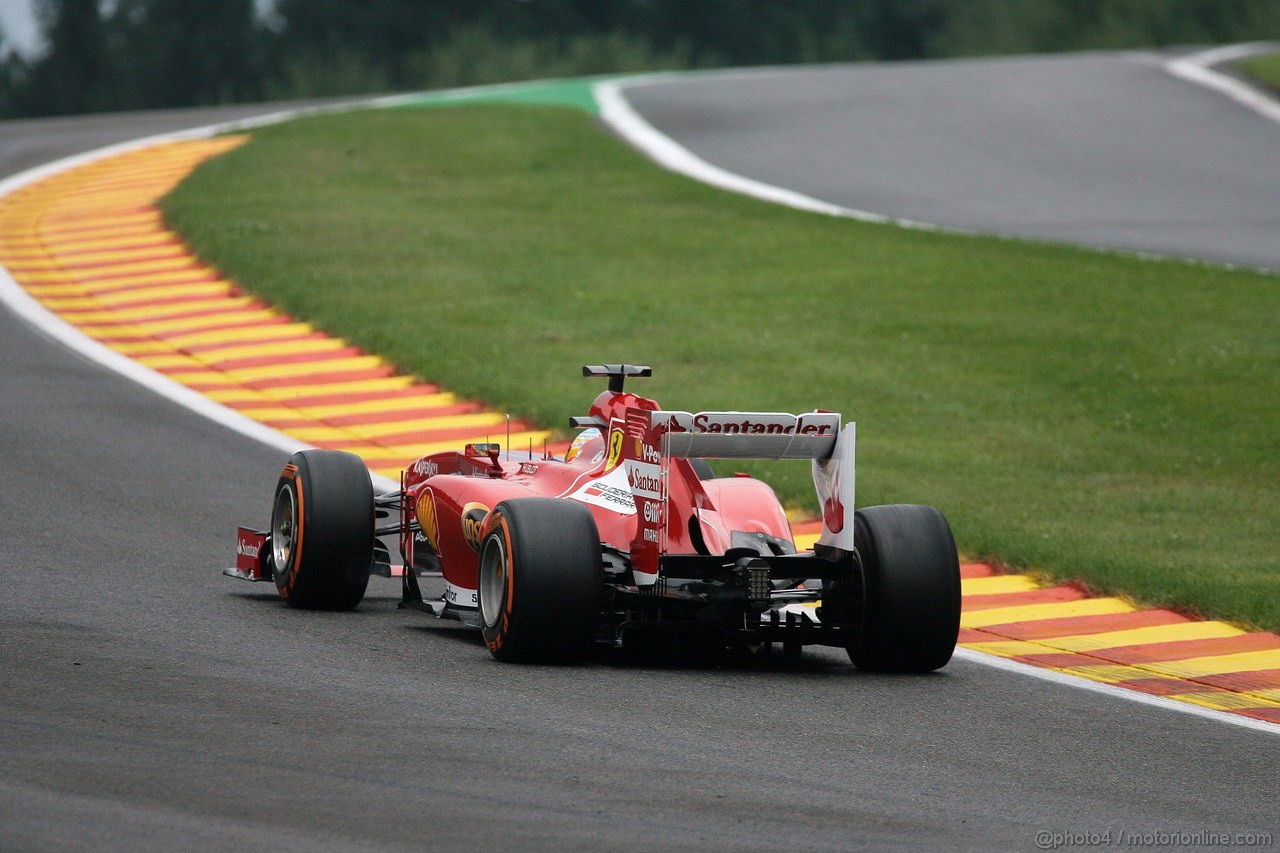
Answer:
(574, 92)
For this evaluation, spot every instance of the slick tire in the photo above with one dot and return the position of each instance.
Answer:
(322, 530)
(911, 589)
(540, 582)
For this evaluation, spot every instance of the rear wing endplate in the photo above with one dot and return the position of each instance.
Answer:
(653, 438)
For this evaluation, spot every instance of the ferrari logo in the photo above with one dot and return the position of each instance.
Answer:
(615, 449)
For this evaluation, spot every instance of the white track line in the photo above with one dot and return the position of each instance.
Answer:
(618, 113)
(20, 302)
(1197, 68)
(1076, 681)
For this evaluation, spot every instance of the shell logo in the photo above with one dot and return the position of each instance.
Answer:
(473, 516)
(425, 509)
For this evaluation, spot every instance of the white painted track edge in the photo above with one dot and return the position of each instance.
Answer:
(1066, 679)
(618, 113)
(608, 92)
(23, 305)
(1198, 69)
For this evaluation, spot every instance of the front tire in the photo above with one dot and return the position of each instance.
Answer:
(322, 530)
(911, 589)
(540, 581)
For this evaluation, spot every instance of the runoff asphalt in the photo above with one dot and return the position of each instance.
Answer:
(148, 703)
(1102, 149)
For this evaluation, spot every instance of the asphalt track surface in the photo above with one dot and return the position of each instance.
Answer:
(1099, 149)
(149, 703)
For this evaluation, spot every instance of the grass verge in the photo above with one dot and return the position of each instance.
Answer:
(1089, 415)
(1264, 69)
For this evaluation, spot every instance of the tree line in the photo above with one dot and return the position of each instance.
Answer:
(138, 54)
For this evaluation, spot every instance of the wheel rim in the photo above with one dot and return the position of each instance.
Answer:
(284, 521)
(493, 581)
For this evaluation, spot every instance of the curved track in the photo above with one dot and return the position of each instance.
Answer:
(150, 703)
(1100, 149)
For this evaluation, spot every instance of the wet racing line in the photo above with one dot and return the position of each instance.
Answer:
(89, 245)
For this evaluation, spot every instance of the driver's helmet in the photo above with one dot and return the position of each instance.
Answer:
(589, 442)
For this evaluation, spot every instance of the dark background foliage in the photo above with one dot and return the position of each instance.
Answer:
(131, 54)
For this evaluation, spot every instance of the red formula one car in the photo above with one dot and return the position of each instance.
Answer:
(624, 541)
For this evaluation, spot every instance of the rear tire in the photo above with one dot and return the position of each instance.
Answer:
(911, 589)
(540, 581)
(322, 522)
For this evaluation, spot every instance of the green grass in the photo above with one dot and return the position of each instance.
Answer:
(1089, 415)
(1264, 69)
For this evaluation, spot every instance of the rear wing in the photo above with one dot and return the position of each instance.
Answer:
(653, 438)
